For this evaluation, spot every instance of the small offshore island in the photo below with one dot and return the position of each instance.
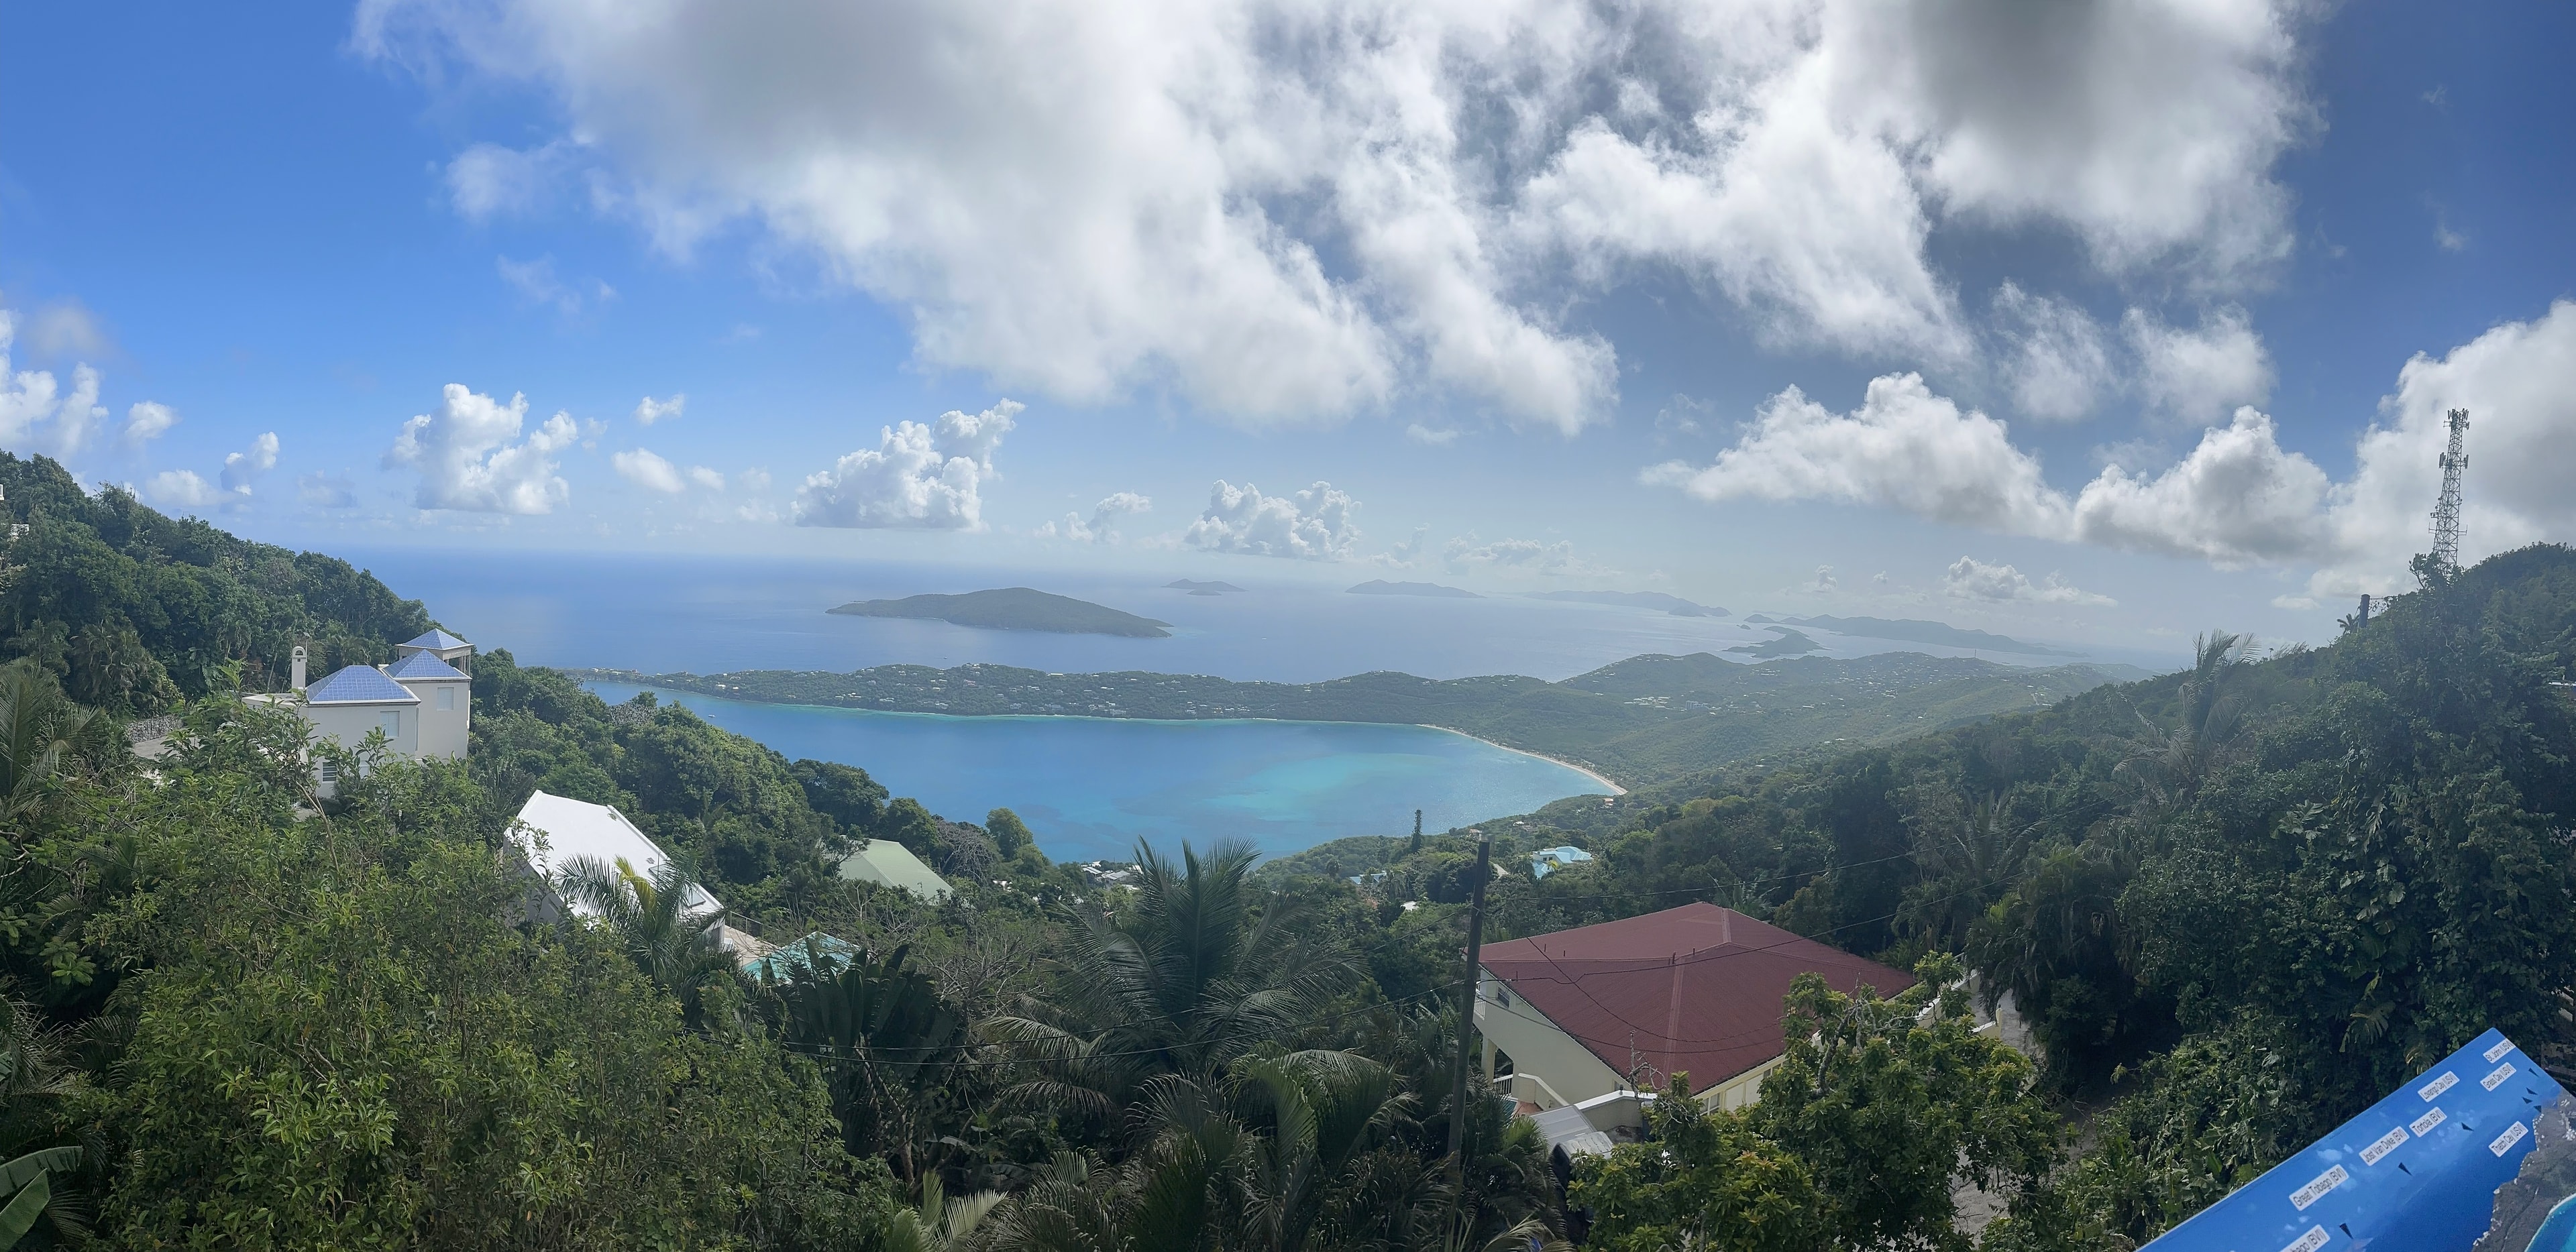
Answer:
(1014, 608)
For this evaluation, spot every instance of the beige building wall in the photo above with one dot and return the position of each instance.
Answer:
(446, 714)
(348, 724)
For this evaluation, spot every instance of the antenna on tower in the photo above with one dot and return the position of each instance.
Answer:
(2446, 511)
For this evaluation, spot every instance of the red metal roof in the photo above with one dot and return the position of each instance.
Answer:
(1695, 990)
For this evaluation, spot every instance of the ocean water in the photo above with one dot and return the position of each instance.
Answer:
(1092, 788)
(666, 613)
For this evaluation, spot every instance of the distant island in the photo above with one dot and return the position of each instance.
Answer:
(1638, 721)
(1674, 605)
(1014, 608)
(1911, 630)
(1790, 643)
(1197, 588)
(1381, 587)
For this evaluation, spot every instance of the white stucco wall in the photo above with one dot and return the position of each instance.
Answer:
(1538, 1047)
(349, 724)
(443, 731)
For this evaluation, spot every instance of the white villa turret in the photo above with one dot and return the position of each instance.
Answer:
(446, 647)
(446, 702)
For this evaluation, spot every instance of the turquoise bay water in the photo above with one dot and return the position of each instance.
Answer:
(1092, 787)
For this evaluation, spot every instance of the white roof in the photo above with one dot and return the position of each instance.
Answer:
(575, 829)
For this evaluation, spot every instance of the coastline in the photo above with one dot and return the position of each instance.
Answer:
(1587, 771)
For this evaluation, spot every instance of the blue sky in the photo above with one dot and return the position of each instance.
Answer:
(2110, 348)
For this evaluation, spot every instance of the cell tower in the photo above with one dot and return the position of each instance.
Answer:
(2446, 511)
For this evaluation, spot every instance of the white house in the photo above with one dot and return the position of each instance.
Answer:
(1590, 1018)
(423, 702)
(554, 831)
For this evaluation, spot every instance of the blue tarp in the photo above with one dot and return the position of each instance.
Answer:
(2418, 1172)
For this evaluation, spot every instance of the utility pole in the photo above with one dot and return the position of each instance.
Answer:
(1467, 1014)
(2446, 511)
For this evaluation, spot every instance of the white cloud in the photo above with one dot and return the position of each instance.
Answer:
(2198, 375)
(146, 421)
(34, 416)
(1469, 553)
(1286, 209)
(1904, 448)
(327, 491)
(649, 410)
(1403, 555)
(2237, 498)
(755, 481)
(1421, 434)
(538, 282)
(181, 489)
(487, 180)
(2054, 359)
(1825, 582)
(1971, 579)
(241, 468)
(1314, 524)
(1096, 528)
(917, 477)
(2518, 382)
(646, 470)
(707, 478)
(470, 457)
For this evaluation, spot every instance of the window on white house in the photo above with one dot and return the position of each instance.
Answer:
(447, 699)
(393, 723)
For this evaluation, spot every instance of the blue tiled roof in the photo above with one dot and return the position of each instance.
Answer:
(358, 684)
(420, 665)
(437, 638)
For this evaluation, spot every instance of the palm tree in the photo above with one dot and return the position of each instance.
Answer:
(34, 1083)
(671, 939)
(940, 1224)
(41, 735)
(2170, 765)
(886, 1036)
(1186, 980)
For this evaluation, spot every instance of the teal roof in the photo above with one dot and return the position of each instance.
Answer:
(358, 684)
(424, 667)
(788, 960)
(438, 640)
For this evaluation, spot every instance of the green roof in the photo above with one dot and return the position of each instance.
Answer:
(890, 864)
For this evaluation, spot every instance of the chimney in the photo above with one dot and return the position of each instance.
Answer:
(295, 668)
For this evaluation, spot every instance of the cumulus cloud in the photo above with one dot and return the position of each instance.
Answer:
(917, 477)
(470, 457)
(244, 467)
(181, 489)
(649, 410)
(2518, 382)
(2054, 359)
(755, 481)
(1904, 448)
(2237, 498)
(1096, 528)
(707, 478)
(646, 470)
(2201, 373)
(1971, 579)
(1287, 210)
(35, 414)
(147, 421)
(1313, 525)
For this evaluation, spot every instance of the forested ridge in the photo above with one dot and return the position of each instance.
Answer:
(2237, 903)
